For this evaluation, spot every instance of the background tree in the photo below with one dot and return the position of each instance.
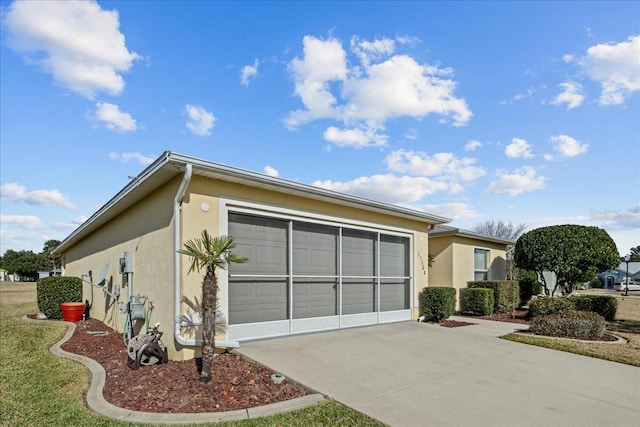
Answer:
(210, 254)
(635, 254)
(25, 264)
(504, 230)
(47, 250)
(575, 253)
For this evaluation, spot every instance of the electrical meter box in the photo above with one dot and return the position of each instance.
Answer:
(126, 263)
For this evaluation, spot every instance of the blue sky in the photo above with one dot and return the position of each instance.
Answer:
(515, 111)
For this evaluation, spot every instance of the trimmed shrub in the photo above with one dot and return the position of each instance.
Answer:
(545, 306)
(479, 300)
(53, 291)
(572, 325)
(604, 305)
(506, 293)
(437, 303)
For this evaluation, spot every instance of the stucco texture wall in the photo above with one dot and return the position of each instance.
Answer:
(453, 261)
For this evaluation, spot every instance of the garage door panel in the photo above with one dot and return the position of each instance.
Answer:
(257, 301)
(314, 298)
(358, 296)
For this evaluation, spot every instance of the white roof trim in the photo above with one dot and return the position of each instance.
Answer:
(170, 164)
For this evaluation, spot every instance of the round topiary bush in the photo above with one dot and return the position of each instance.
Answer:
(53, 291)
(570, 325)
(545, 306)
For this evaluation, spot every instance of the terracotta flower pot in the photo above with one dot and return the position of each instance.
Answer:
(72, 311)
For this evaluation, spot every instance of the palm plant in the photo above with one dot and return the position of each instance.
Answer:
(210, 253)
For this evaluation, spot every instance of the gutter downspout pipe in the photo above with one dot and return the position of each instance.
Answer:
(177, 273)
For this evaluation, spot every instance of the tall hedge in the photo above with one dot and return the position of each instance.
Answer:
(506, 293)
(479, 300)
(604, 305)
(53, 291)
(437, 303)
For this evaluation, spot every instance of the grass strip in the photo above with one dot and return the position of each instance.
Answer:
(628, 353)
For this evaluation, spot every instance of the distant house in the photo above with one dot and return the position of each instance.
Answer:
(4, 276)
(318, 259)
(49, 273)
(617, 275)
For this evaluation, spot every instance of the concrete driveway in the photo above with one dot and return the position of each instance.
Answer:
(417, 374)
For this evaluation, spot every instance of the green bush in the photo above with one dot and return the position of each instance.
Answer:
(571, 325)
(479, 300)
(53, 291)
(437, 303)
(506, 293)
(545, 306)
(604, 305)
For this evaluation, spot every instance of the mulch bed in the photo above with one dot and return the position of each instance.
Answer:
(174, 387)
(448, 323)
(517, 316)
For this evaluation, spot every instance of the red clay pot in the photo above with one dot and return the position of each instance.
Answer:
(72, 311)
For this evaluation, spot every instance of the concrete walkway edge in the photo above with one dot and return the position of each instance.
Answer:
(97, 403)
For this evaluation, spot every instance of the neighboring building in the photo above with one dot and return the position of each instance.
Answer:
(461, 256)
(49, 273)
(318, 259)
(4, 276)
(613, 277)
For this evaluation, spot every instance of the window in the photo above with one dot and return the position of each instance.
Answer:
(302, 270)
(480, 264)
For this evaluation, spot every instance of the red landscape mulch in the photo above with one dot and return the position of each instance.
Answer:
(448, 323)
(517, 316)
(174, 387)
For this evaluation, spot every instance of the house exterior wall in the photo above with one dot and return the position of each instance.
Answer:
(454, 261)
(146, 230)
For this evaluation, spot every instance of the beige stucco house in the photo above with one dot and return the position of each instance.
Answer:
(318, 259)
(461, 256)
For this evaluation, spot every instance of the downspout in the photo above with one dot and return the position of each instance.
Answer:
(177, 273)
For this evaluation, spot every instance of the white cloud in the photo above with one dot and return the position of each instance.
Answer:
(472, 145)
(113, 118)
(26, 222)
(69, 226)
(77, 42)
(390, 188)
(271, 171)
(616, 67)
(520, 181)
(366, 92)
(571, 94)
(454, 211)
(199, 121)
(357, 138)
(567, 58)
(441, 165)
(248, 72)
(411, 134)
(127, 157)
(567, 146)
(16, 192)
(519, 148)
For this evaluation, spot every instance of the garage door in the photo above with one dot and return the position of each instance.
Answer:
(304, 276)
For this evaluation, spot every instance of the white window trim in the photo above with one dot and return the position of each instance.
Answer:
(488, 267)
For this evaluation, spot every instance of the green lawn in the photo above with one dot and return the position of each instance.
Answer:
(626, 325)
(37, 388)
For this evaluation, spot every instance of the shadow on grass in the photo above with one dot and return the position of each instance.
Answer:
(629, 326)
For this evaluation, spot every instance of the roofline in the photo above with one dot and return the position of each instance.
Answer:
(276, 183)
(444, 230)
